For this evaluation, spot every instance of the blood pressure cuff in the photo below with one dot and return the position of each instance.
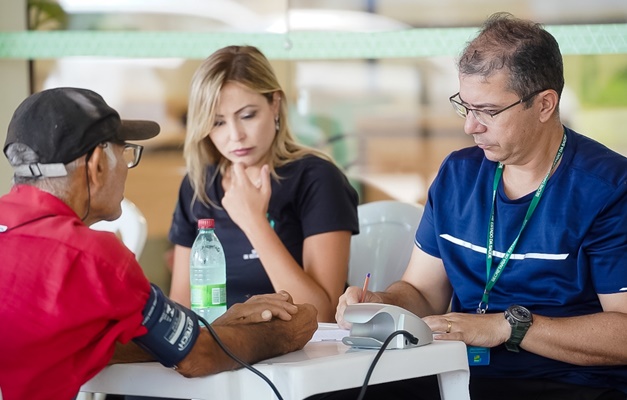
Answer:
(172, 329)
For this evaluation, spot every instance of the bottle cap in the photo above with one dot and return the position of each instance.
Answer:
(205, 224)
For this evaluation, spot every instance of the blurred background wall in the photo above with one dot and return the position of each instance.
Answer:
(14, 78)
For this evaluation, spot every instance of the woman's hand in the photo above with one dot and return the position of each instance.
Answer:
(246, 201)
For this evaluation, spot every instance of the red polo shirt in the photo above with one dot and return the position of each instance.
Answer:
(67, 294)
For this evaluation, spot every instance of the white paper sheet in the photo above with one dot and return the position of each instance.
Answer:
(329, 332)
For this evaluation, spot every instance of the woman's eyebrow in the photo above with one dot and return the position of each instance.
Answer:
(238, 110)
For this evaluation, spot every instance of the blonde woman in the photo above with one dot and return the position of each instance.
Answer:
(283, 212)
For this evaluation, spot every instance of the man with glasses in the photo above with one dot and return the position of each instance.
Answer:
(523, 235)
(73, 298)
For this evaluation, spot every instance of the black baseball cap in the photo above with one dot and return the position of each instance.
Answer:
(63, 124)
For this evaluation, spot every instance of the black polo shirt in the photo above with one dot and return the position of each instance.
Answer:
(312, 197)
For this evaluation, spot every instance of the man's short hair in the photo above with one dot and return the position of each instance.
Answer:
(524, 49)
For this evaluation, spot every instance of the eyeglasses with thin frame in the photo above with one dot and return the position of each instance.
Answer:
(485, 117)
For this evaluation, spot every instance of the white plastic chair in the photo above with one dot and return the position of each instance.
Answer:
(384, 244)
(131, 227)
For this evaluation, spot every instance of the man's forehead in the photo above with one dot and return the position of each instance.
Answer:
(476, 89)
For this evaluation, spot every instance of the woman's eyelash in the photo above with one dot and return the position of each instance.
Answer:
(243, 116)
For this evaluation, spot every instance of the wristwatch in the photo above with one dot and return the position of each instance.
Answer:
(520, 319)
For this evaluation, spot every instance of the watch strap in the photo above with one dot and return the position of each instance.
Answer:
(518, 333)
(519, 330)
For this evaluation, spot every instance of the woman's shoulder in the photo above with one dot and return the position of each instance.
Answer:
(209, 172)
(314, 174)
(212, 183)
(309, 163)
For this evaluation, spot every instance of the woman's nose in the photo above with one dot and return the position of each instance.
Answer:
(236, 133)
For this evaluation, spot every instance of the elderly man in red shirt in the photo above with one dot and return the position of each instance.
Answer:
(75, 299)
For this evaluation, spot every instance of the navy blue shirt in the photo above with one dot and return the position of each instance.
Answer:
(313, 196)
(574, 246)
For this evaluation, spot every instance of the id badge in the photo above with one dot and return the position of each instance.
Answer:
(478, 355)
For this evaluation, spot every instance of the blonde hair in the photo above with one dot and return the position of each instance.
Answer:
(247, 66)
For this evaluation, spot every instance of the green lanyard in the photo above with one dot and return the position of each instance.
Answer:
(483, 304)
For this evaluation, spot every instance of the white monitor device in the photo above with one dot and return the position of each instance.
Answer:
(374, 322)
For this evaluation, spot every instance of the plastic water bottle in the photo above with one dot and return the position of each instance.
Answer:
(207, 273)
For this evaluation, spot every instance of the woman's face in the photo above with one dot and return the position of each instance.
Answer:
(244, 126)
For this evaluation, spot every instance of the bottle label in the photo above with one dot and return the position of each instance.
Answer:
(208, 295)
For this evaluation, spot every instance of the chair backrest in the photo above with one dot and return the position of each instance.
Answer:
(131, 227)
(385, 242)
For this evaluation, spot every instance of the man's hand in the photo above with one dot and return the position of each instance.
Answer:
(287, 336)
(352, 296)
(483, 330)
(259, 308)
(265, 326)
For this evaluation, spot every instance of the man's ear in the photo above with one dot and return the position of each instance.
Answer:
(96, 167)
(548, 105)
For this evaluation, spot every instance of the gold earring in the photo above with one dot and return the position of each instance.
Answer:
(277, 124)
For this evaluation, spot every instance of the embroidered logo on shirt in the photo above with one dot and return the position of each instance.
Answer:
(3, 228)
(251, 256)
(270, 220)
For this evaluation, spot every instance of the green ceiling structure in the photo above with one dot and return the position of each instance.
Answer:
(429, 42)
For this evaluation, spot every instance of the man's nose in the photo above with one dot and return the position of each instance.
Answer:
(472, 124)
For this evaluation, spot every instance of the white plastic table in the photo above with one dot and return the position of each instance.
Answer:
(319, 367)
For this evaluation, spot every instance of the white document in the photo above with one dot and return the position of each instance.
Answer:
(329, 332)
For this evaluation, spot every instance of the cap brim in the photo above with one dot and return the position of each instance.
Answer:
(137, 130)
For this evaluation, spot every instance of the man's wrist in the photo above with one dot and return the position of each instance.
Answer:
(519, 319)
(506, 328)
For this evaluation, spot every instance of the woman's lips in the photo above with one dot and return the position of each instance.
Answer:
(242, 152)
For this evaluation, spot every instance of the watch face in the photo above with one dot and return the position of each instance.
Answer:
(520, 313)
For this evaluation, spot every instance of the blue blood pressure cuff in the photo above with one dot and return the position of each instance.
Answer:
(172, 329)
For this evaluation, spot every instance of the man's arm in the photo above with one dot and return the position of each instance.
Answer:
(424, 289)
(251, 342)
(595, 339)
(263, 327)
(130, 352)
